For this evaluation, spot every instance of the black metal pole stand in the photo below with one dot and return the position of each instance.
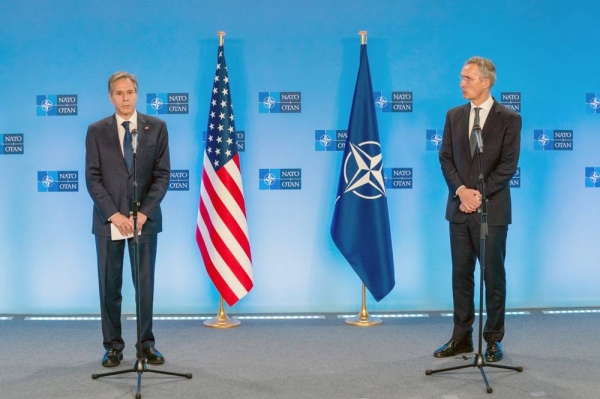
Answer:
(139, 366)
(479, 358)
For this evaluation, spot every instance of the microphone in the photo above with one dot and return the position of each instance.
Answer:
(134, 135)
(477, 131)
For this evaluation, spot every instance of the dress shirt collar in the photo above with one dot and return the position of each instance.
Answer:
(133, 120)
(486, 105)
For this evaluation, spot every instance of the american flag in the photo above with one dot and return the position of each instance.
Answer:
(221, 227)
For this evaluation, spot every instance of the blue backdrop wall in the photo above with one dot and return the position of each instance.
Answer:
(64, 51)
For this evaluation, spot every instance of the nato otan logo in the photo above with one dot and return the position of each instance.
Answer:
(593, 103)
(179, 180)
(553, 140)
(398, 177)
(330, 140)
(240, 139)
(515, 182)
(57, 181)
(56, 105)
(363, 170)
(396, 101)
(433, 139)
(12, 143)
(275, 102)
(592, 176)
(280, 179)
(511, 100)
(167, 103)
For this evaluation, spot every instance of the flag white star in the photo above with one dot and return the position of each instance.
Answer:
(216, 78)
(220, 128)
(221, 115)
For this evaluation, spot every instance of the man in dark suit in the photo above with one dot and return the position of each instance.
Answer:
(501, 137)
(109, 181)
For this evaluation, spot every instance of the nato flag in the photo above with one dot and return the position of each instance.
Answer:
(361, 226)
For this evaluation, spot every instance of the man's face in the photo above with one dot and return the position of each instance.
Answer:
(473, 87)
(124, 97)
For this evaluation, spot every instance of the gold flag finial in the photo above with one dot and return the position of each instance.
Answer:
(363, 36)
(221, 33)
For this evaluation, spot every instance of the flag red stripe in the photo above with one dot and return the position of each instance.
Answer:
(224, 212)
(221, 247)
(232, 186)
(220, 284)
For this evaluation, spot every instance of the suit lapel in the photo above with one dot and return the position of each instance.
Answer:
(491, 121)
(113, 138)
(143, 128)
(464, 129)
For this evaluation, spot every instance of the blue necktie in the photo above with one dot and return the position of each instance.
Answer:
(127, 151)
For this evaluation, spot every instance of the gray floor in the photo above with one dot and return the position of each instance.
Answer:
(323, 358)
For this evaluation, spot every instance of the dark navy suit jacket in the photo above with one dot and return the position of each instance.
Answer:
(110, 183)
(501, 136)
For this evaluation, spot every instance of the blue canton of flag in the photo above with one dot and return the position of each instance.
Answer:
(360, 227)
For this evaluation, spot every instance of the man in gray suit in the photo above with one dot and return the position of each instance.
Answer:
(109, 178)
(501, 135)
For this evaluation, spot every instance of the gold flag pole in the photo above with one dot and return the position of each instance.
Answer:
(363, 319)
(363, 36)
(221, 320)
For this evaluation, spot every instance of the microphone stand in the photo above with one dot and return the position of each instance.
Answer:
(479, 358)
(139, 366)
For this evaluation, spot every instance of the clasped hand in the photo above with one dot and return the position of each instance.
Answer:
(125, 224)
(470, 200)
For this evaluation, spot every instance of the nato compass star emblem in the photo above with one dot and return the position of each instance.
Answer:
(46, 105)
(269, 102)
(595, 103)
(47, 181)
(269, 179)
(366, 180)
(594, 177)
(543, 139)
(325, 140)
(436, 139)
(156, 103)
(381, 102)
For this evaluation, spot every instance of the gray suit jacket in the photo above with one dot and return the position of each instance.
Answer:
(501, 136)
(109, 182)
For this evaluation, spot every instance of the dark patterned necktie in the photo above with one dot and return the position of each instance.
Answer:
(473, 138)
(127, 151)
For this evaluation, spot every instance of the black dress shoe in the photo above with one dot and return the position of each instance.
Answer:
(153, 356)
(112, 357)
(494, 352)
(454, 347)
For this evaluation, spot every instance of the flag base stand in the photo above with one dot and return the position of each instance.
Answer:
(363, 319)
(221, 320)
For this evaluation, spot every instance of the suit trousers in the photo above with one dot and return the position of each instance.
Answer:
(110, 278)
(465, 243)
